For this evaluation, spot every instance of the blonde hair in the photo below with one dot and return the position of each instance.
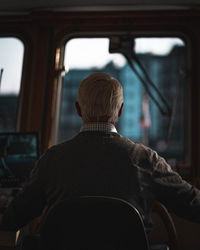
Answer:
(100, 96)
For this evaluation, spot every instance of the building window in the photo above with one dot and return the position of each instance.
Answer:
(156, 115)
(11, 62)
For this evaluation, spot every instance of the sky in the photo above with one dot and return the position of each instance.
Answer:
(79, 53)
(11, 60)
(86, 53)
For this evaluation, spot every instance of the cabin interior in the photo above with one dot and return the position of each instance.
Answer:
(151, 46)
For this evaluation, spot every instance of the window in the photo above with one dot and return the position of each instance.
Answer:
(11, 61)
(155, 111)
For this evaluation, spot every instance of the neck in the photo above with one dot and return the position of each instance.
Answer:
(103, 119)
(98, 121)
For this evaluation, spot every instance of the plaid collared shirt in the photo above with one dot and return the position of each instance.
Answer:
(99, 126)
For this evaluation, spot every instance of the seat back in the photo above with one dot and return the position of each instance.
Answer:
(93, 223)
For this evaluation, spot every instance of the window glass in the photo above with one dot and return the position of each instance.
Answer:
(155, 111)
(11, 61)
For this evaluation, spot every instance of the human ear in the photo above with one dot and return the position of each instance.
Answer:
(120, 110)
(78, 109)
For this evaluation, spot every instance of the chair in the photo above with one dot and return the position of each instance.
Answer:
(161, 211)
(94, 223)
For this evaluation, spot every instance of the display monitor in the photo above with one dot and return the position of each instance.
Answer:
(18, 155)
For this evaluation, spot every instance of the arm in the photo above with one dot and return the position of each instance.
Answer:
(175, 193)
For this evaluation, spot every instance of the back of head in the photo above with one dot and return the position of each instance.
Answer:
(100, 97)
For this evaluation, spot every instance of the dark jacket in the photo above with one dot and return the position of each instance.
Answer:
(99, 163)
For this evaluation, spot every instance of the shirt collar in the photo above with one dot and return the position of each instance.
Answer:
(98, 126)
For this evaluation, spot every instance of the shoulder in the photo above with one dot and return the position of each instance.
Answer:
(141, 154)
(61, 147)
(135, 146)
(54, 153)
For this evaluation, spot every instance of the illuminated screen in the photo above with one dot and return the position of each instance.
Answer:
(18, 154)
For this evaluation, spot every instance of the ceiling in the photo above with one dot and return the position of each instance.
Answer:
(27, 6)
